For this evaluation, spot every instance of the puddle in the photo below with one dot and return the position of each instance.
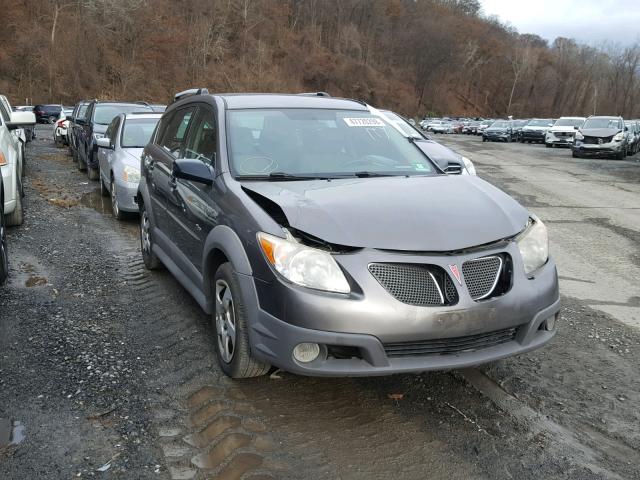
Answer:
(35, 281)
(97, 202)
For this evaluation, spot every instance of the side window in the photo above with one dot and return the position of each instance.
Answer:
(5, 115)
(112, 130)
(173, 136)
(82, 111)
(202, 141)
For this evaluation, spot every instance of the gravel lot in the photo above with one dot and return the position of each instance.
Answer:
(108, 371)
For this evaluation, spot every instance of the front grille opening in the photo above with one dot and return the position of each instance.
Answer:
(451, 346)
(415, 284)
(342, 352)
(488, 277)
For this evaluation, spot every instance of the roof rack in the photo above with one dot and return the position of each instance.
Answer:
(190, 92)
(314, 94)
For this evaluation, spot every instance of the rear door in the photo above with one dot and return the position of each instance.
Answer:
(158, 163)
(192, 205)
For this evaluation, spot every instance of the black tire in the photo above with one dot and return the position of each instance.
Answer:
(4, 256)
(151, 261)
(620, 156)
(548, 145)
(484, 139)
(16, 217)
(575, 155)
(93, 173)
(235, 361)
(80, 163)
(103, 190)
(117, 213)
(24, 161)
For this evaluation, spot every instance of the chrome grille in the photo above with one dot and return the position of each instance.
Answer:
(481, 275)
(412, 284)
(597, 140)
(443, 346)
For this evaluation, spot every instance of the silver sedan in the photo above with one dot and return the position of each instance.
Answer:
(119, 158)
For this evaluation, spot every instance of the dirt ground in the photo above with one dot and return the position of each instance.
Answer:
(108, 371)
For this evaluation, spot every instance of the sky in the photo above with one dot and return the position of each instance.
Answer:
(589, 21)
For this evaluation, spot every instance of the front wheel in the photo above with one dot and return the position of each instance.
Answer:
(16, 217)
(150, 259)
(4, 257)
(115, 206)
(233, 349)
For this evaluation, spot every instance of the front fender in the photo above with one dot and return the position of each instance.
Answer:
(222, 240)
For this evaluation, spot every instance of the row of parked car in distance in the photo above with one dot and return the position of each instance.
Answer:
(601, 136)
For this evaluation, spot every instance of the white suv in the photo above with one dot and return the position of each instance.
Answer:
(12, 159)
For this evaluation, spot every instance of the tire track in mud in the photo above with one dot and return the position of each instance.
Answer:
(206, 428)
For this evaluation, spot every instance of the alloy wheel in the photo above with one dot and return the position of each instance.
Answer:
(114, 200)
(225, 321)
(145, 236)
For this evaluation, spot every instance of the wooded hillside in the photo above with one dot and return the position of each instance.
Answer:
(413, 56)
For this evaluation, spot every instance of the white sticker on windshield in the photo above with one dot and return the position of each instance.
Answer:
(364, 122)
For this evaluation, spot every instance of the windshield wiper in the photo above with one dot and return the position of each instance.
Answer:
(280, 176)
(367, 174)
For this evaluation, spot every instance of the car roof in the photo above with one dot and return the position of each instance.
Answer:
(605, 116)
(236, 101)
(142, 115)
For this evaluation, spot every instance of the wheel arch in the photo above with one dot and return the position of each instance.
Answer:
(222, 245)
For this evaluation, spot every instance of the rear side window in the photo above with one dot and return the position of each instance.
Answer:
(173, 136)
(82, 111)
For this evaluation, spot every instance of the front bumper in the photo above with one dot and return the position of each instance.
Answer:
(126, 194)
(283, 315)
(500, 137)
(596, 150)
(552, 139)
(533, 136)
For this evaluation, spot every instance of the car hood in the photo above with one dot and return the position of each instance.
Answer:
(441, 213)
(438, 153)
(529, 127)
(496, 129)
(562, 129)
(599, 132)
(132, 156)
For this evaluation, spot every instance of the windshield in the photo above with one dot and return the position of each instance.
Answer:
(602, 122)
(104, 113)
(500, 124)
(540, 123)
(569, 122)
(402, 124)
(137, 132)
(318, 142)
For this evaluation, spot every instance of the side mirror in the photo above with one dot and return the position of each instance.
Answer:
(21, 119)
(104, 142)
(194, 170)
(626, 129)
(576, 127)
(79, 121)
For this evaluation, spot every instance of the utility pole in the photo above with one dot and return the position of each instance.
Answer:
(595, 98)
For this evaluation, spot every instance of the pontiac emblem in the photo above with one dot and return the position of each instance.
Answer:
(456, 273)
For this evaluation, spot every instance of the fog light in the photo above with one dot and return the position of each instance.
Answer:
(550, 324)
(306, 352)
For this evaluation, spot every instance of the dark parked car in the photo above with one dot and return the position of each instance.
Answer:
(47, 113)
(94, 125)
(75, 127)
(535, 130)
(499, 131)
(601, 137)
(324, 242)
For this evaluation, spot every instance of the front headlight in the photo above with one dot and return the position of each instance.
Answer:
(469, 167)
(303, 265)
(619, 137)
(533, 244)
(579, 136)
(130, 174)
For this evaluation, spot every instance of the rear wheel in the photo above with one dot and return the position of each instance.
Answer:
(103, 190)
(233, 348)
(151, 261)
